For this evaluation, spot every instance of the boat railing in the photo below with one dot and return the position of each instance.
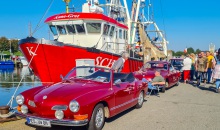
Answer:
(114, 47)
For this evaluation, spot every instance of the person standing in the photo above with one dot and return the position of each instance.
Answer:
(210, 64)
(192, 72)
(119, 64)
(187, 62)
(201, 68)
(216, 73)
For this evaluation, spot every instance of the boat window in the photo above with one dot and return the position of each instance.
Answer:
(71, 29)
(53, 29)
(120, 33)
(93, 27)
(106, 29)
(112, 31)
(124, 36)
(80, 28)
(61, 29)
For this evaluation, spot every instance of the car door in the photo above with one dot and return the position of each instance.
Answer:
(170, 75)
(123, 96)
(176, 75)
(173, 75)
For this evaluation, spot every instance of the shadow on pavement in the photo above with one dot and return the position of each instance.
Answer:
(120, 115)
(54, 127)
(210, 88)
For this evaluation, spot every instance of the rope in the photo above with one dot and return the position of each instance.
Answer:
(12, 98)
(51, 2)
(161, 7)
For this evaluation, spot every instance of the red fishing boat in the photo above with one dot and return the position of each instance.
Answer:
(93, 36)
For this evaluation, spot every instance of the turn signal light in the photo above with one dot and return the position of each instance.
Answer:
(19, 108)
(80, 117)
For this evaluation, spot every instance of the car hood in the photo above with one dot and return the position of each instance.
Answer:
(67, 91)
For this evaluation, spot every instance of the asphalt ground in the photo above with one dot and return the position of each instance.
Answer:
(184, 107)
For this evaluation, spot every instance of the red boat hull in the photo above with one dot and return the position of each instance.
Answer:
(50, 59)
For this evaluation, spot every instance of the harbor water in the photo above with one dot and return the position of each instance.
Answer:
(16, 78)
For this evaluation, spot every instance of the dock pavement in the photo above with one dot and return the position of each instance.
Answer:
(184, 107)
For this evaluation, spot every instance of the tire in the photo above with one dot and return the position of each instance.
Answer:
(140, 100)
(164, 87)
(178, 83)
(97, 120)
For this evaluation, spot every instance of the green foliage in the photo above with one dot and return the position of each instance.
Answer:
(18, 53)
(5, 45)
(179, 53)
(198, 51)
(190, 50)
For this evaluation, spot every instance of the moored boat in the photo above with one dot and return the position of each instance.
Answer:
(90, 34)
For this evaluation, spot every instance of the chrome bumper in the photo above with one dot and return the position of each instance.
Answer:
(64, 122)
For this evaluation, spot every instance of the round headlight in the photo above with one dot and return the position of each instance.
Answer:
(20, 99)
(74, 106)
(24, 109)
(59, 114)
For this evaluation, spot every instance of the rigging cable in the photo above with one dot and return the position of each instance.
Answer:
(12, 98)
(34, 54)
(51, 2)
(161, 7)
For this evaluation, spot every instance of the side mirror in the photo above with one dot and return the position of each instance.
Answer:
(117, 82)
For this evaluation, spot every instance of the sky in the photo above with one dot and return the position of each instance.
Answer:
(186, 23)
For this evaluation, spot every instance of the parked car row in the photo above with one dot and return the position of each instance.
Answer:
(88, 95)
(168, 72)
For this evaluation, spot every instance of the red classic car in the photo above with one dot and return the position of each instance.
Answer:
(170, 74)
(86, 96)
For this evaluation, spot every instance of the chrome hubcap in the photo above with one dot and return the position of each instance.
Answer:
(99, 117)
(140, 98)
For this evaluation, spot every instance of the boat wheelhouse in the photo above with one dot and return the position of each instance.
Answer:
(89, 30)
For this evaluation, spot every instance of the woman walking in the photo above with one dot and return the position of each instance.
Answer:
(216, 72)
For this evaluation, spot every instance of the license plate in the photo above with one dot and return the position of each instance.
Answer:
(38, 122)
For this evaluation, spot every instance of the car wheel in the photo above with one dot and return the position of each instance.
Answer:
(178, 83)
(164, 87)
(140, 100)
(97, 120)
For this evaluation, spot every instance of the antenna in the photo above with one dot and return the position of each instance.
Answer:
(67, 5)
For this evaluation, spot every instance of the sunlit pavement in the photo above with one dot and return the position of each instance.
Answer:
(183, 107)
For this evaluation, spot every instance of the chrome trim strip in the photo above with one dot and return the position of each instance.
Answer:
(59, 107)
(123, 104)
(64, 122)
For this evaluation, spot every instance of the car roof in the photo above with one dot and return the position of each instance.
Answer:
(166, 62)
(176, 59)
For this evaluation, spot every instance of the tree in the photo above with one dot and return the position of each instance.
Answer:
(4, 44)
(190, 50)
(179, 53)
(198, 51)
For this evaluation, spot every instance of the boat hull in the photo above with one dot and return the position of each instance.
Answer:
(50, 59)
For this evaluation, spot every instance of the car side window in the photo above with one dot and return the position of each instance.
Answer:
(171, 68)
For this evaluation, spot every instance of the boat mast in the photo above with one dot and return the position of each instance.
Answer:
(67, 5)
(159, 35)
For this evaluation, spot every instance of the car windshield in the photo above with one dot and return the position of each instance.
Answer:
(176, 62)
(152, 65)
(99, 74)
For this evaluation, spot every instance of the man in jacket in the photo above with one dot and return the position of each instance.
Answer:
(119, 64)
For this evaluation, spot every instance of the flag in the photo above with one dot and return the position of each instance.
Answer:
(185, 50)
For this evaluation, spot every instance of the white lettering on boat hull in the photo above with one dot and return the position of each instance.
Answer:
(30, 51)
(104, 61)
